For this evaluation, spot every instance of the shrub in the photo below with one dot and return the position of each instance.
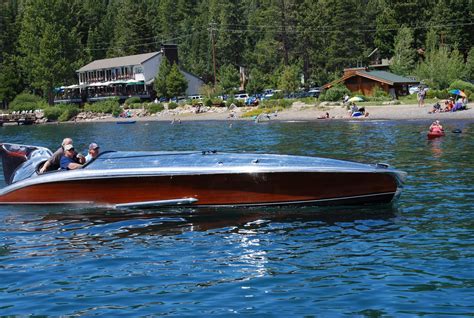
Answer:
(52, 112)
(154, 108)
(234, 101)
(272, 103)
(68, 112)
(133, 100)
(217, 102)
(335, 93)
(278, 95)
(195, 102)
(378, 92)
(208, 102)
(172, 105)
(466, 87)
(26, 101)
(435, 93)
(134, 106)
(110, 106)
(258, 111)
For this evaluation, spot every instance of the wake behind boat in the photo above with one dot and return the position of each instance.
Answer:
(155, 178)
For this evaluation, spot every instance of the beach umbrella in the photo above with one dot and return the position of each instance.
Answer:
(355, 99)
(458, 92)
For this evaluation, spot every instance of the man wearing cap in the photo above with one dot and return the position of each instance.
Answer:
(53, 163)
(93, 152)
(68, 161)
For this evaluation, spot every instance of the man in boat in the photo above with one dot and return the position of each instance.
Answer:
(94, 150)
(68, 161)
(53, 163)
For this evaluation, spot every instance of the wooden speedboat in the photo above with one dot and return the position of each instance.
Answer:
(139, 178)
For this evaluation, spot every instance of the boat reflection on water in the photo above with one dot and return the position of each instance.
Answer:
(176, 221)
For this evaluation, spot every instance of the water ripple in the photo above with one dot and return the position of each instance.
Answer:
(413, 259)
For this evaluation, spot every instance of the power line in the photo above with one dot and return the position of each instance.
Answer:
(295, 29)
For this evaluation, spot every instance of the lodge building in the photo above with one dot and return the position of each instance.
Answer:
(123, 77)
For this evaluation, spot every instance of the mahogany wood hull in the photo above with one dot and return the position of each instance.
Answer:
(228, 189)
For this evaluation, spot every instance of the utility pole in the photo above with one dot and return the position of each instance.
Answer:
(212, 28)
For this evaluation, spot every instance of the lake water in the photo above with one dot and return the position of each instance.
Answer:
(412, 259)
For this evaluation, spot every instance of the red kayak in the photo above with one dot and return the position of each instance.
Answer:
(435, 133)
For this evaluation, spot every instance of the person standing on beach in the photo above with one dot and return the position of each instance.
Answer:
(421, 97)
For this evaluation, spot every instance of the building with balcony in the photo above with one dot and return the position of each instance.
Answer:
(123, 77)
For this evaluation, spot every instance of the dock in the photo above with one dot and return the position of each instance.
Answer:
(17, 119)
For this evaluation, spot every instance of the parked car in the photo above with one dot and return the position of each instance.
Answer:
(243, 97)
(314, 92)
(193, 97)
(416, 89)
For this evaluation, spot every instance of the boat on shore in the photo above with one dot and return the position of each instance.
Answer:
(208, 178)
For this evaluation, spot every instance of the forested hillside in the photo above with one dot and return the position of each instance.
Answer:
(43, 42)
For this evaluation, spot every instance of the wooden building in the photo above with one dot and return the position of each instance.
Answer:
(364, 81)
(123, 77)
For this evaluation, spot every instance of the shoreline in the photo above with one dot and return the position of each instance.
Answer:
(299, 112)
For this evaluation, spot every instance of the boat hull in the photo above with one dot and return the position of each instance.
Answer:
(226, 189)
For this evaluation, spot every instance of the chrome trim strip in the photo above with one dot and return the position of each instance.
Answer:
(157, 203)
(301, 202)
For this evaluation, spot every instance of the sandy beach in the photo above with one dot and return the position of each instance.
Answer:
(303, 112)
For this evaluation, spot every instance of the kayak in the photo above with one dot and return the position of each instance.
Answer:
(435, 133)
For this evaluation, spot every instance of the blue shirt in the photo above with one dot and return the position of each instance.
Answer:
(65, 161)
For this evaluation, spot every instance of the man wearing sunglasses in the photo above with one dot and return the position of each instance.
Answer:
(68, 161)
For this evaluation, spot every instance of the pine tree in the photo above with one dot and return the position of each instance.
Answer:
(289, 79)
(344, 42)
(441, 67)
(49, 45)
(161, 78)
(452, 21)
(10, 83)
(176, 82)
(133, 33)
(386, 27)
(229, 44)
(404, 53)
(256, 83)
(470, 65)
(229, 78)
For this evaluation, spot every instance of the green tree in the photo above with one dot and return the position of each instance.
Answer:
(289, 79)
(404, 54)
(256, 82)
(344, 47)
(452, 21)
(133, 32)
(161, 78)
(386, 26)
(48, 45)
(441, 67)
(176, 82)
(470, 65)
(229, 78)
(229, 44)
(10, 84)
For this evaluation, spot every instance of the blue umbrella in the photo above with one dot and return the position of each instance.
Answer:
(457, 92)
